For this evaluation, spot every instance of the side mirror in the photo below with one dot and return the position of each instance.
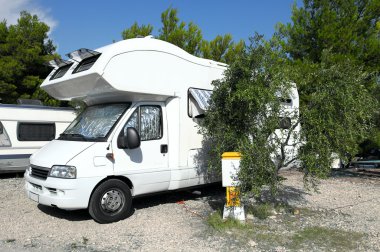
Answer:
(130, 141)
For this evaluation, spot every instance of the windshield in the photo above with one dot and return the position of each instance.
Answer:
(94, 123)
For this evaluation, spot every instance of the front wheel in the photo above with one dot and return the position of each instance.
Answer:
(110, 202)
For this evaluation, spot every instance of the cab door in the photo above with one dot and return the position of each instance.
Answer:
(147, 165)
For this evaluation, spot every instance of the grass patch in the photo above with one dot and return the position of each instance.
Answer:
(270, 238)
(287, 230)
(79, 245)
(261, 210)
(84, 240)
(327, 238)
(216, 221)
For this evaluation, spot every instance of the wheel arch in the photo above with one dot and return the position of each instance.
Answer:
(124, 179)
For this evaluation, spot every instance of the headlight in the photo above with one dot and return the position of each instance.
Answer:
(63, 171)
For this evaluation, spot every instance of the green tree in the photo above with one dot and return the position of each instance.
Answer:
(188, 37)
(235, 51)
(135, 30)
(24, 48)
(245, 111)
(333, 118)
(217, 48)
(349, 28)
(336, 112)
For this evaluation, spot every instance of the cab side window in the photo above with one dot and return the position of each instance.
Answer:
(147, 120)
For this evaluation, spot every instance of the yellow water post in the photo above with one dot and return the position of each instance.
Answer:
(230, 169)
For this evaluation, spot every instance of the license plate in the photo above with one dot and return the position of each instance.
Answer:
(33, 196)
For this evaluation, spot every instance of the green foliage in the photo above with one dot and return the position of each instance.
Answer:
(135, 30)
(344, 27)
(217, 48)
(24, 47)
(244, 113)
(335, 113)
(336, 110)
(261, 211)
(326, 238)
(234, 51)
(189, 38)
(350, 28)
(173, 31)
(216, 221)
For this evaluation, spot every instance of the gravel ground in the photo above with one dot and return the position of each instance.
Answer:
(177, 221)
(347, 201)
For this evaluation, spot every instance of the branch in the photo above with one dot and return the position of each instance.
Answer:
(290, 161)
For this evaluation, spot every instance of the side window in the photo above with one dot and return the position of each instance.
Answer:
(4, 139)
(147, 120)
(286, 101)
(285, 123)
(198, 102)
(133, 121)
(35, 131)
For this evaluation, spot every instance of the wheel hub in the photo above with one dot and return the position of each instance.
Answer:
(112, 201)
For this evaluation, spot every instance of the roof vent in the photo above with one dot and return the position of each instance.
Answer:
(57, 63)
(82, 54)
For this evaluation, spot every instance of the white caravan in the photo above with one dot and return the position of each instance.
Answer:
(26, 128)
(138, 135)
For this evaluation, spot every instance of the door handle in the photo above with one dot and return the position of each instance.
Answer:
(164, 148)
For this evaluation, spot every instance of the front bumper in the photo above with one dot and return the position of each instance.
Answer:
(68, 194)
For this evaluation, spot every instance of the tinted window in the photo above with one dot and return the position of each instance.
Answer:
(36, 131)
(86, 64)
(60, 72)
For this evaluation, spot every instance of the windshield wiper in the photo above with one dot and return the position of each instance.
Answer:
(73, 135)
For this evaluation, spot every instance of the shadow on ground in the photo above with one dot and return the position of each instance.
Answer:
(211, 193)
(75, 215)
(205, 193)
(365, 173)
(289, 194)
(11, 175)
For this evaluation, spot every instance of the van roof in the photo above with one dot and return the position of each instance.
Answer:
(133, 69)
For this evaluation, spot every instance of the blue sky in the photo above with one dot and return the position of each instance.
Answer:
(92, 24)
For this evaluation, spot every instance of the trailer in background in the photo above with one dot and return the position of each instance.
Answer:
(25, 129)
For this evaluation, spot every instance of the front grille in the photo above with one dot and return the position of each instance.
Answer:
(39, 172)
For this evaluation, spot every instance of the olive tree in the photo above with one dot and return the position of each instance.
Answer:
(247, 114)
(247, 111)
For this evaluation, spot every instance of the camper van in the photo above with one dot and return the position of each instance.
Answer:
(26, 128)
(138, 134)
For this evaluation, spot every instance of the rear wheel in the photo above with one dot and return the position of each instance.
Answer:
(110, 202)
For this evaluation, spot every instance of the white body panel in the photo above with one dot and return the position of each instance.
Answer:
(15, 152)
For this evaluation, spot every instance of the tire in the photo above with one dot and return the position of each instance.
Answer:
(110, 202)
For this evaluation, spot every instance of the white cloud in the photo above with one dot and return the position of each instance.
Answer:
(10, 11)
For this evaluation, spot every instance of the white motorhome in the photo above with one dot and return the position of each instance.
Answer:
(25, 129)
(138, 134)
